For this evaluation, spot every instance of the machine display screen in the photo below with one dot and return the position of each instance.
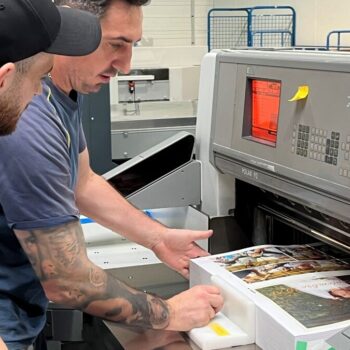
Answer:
(265, 104)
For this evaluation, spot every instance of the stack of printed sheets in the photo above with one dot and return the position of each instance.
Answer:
(301, 292)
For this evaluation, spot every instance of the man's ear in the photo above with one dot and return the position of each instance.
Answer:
(7, 74)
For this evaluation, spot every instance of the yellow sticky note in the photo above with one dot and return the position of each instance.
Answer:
(218, 329)
(303, 92)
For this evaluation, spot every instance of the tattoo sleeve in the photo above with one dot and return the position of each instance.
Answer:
(58, 256)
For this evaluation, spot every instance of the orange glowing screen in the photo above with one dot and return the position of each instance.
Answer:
(265, 109)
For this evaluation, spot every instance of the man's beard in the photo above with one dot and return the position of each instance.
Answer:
(10, 111)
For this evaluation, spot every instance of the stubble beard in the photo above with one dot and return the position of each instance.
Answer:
(10, 110)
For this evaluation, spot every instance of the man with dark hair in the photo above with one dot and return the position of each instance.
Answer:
(27, 28)
(47, 183)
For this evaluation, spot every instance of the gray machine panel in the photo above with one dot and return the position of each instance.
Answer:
(313, 134)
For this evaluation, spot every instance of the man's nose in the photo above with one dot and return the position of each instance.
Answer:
(123, 63)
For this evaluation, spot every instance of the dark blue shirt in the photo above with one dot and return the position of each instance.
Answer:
(38, 173)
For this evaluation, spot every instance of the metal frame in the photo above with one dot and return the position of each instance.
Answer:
(249, 23)
(338, 34)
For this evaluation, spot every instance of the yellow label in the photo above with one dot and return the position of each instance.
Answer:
(218, 329)
(302, 93)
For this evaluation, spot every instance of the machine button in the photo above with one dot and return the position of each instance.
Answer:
(299, 143)
(343, 146)
(332, 143)
(335, 153)
(307, 128)
(335, 161)
(336, 144)
(305, 153)
(337, 136)
(331, 151)
(328, 142)
(345, 172)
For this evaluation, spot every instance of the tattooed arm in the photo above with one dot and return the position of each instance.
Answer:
(58, 256)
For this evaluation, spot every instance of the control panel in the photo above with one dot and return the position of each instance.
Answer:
(287, 114)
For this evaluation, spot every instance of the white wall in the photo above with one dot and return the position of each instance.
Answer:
(169, 30)
(169, 22)
(315, 18)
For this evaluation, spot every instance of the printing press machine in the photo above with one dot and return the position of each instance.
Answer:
(271, 166)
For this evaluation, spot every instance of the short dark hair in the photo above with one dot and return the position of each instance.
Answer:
(97, 7)
(23, 66)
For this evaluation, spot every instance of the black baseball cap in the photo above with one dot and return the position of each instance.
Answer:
(28, 27)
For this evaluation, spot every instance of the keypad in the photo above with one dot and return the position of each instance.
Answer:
(303, 132)
(318, 144)
(345, 157)
(327, 146)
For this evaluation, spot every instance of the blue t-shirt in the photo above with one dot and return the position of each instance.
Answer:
(38, 173)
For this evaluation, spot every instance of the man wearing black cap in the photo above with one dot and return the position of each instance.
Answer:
(28, 27)
(55, 183)
(30, 32)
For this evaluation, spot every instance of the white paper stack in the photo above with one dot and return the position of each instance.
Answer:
(301, 292)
